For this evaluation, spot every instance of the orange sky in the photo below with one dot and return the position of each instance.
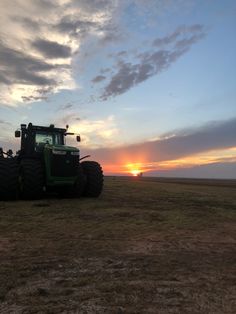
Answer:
(135, 164)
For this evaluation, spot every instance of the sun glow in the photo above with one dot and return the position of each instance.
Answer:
(135, 172)
(134, 169)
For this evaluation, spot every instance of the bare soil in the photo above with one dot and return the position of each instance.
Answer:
(145, 246)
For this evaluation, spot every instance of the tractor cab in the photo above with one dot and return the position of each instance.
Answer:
(34, 138)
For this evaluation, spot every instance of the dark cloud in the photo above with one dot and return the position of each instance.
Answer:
(164, 41)
(17, 67)
(214, 136)
(4, 79)
(34, 26)
(33, 98)
(69, 25)
(28, 22)
(187, 42)
(52, 49)
(45, 5)
(152, 62)
(66, 106)
(99, 79)
(42, 94)
(81, 28)
(122, 53)
(105, 70)
(180, 31)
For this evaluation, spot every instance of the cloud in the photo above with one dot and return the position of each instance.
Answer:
(25, 77)
(94, 132)
(98, 79)
(66, 106)
(75, 28)
(183, 30)
(18, 67)
(52, 49)
(32, 67)
(213, 136)
(168, 50)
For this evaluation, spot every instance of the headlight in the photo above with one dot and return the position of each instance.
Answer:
(58, 152)
(75, 153)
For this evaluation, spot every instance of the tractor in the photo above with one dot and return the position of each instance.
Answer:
(45, 164)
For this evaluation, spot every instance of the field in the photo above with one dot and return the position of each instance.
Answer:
(145, 246)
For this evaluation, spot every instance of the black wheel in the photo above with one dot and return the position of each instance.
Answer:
(77, 189)
(79, 186)
(8, 179)
(94, 178)
(31, 179)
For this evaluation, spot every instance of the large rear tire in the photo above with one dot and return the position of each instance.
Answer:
(8, 179)
(94, 178)
(31, 179)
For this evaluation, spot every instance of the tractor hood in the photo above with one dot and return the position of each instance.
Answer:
(61, 164)
(62, 149)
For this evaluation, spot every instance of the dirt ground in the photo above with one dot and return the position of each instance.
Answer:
(145, 246)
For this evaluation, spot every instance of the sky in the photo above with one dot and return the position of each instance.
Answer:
(149, 85)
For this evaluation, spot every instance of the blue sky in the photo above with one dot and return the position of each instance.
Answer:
(123, 73)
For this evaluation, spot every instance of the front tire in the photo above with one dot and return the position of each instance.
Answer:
(31, 179)
(79, 187)
(94, 178)
(8, 179)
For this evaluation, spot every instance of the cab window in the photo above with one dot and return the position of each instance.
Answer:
(43, 138)
(58, 139)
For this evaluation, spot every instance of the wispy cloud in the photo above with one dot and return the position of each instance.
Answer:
(160, 56)
(51, 49)
(98, 79)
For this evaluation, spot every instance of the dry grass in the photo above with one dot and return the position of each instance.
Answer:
(145, 246)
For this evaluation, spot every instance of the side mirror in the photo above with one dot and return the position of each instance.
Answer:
(17, 134)
(78, 139)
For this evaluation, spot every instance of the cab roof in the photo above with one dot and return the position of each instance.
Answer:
(50, 128)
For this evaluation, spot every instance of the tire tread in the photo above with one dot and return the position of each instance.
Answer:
(8, 179)
(32, 180)
(94, 178)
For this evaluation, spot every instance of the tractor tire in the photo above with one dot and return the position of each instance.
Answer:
(94, 178)
(8, 179)
(78, 189)
(31, 179)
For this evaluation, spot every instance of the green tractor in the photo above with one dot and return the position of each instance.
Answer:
(45, 164)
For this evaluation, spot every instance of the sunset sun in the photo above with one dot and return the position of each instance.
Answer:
(135, 172)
